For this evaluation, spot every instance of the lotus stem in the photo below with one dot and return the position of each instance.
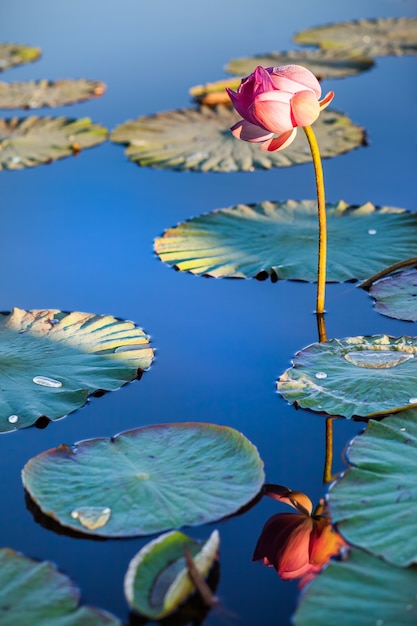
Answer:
(367, 284)
(328, 476)
(321, 327)
(321, 207)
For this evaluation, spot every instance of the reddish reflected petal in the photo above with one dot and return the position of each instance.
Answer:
(280, 142)
(293, 560)
(297, 545)
(296, 499)
(325, 542)
(305, 108)
(249, 132)
(275, 535)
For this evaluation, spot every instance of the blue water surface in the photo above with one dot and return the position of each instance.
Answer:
(78, 235)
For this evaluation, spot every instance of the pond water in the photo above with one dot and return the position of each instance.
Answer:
(77, 236)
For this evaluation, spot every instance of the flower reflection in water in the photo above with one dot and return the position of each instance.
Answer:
(298, 544)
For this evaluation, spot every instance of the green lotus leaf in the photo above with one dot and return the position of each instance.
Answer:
(146, 480)
(36, 593)
(396, 295)
(32, 141)
(361, 590)
(157, 580)
(200, 140)
(323, 63)
(280, 239)
(375, 502)
(356, 376)
(51, 361)
(215, 93)
(44, 93)
(378, 37)
(12, 54)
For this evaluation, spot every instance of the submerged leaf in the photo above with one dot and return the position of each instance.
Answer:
(323, 63)
(378, 37)
(12, 54)
(396, 295)
(50, 361)
(356, 376)
(157, 580)
(200, 140)
(147, 480)
(375, 502)
(44, 93)
(36, 593)
(360, 590)
(280, 239)
(31, 141)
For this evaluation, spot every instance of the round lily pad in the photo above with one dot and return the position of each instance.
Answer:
(356, 376)
(378, 37)
(31, 141)
(146, 480)
(323, 63)
(360, 590)
(396, 295)
(280, 239)
(215, 93)
(12, 54)
(44, 93)
(36, 593)
(51, 361)
(375, 502)
(200, 140)
(157, 580)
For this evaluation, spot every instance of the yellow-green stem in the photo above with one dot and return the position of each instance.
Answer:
(321, 207)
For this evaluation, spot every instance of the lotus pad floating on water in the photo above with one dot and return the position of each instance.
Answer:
(379, 37)
(360, 590)
(200, 140)
(280, 239)
(157, 580)
(323, 63)
(36, 593)
(146, 480)
(356, 376)
(375, 504)
(44, 93)
(396, 295)
(31, 141)
(12, 54)
(51, 361)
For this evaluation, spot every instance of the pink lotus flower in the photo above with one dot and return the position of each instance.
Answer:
(297, 545)
(273, 101)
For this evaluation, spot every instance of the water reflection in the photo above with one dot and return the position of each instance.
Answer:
(297, 544)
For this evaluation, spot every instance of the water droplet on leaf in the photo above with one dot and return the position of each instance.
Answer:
(321, 375)
(377, 359)
(412, 401)
(13, 419)
(44, 381)
(372, 231)
(92, 517)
